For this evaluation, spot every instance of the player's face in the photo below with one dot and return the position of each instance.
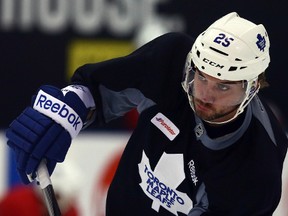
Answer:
(216, 100)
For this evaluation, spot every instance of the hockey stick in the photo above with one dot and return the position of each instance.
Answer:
(43, 179)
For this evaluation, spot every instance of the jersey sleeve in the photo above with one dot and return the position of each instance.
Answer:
(150, 74)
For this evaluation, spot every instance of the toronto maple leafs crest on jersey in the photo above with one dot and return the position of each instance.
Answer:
(160, 184)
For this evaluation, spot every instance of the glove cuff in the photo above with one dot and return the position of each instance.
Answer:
(85, 95)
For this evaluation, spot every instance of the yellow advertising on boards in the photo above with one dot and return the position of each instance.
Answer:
(82, 51)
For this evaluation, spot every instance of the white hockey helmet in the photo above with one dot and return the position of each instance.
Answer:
(233, 49)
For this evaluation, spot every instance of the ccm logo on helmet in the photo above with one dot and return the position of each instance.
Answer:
(59, 112)
(214, 64)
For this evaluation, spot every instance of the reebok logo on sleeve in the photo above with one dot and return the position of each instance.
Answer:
(59, 112)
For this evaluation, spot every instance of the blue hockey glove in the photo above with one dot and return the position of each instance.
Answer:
(46, 130)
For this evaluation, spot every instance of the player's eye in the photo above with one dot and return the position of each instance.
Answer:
(202, 78)
(223, 87)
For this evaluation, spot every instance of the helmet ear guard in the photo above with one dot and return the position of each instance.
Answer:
(232, 49)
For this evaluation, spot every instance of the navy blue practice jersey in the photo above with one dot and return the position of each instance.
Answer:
(171, 164)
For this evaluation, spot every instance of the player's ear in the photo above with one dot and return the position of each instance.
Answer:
(262, 80)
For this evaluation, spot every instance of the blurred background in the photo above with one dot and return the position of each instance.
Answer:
(44, 41)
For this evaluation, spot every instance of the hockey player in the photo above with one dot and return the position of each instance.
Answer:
(205, 142)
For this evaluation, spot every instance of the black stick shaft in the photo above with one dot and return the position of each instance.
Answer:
(51, 201)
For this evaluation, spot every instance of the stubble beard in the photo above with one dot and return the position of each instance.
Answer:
(211, 113)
